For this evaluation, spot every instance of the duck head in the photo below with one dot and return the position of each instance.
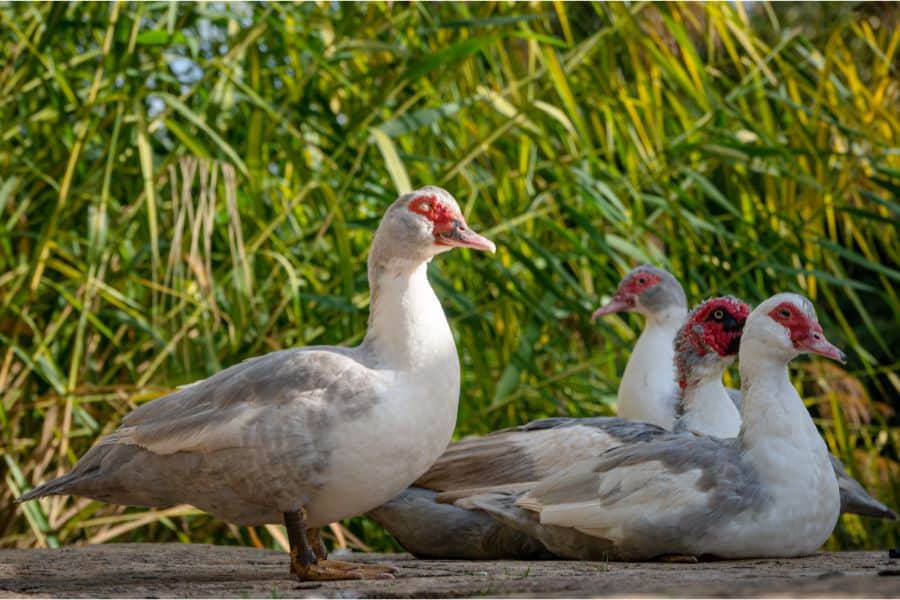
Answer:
(422, 224)
(709, 340)
(788, 326)
(647, 290)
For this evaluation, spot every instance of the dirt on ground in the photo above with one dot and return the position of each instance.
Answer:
(202, 571)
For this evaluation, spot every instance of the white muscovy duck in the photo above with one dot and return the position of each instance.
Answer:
(770, 492)
(309, 435)
(426, 525)
(648, 392)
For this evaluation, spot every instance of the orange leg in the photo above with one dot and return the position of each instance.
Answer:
(307, 563)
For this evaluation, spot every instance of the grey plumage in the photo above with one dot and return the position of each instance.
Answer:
(855, 500)
(668, 293)
(198, 444)
(307, 435)
(560, 542)
(430, 529)
(508, 456)
(513, 456)
(427, 527)
(539, 449)
(726, 487)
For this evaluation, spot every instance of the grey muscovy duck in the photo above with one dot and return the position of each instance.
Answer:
(770, 492)
(307, 436)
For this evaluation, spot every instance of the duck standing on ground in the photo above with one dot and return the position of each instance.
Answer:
(770, 492)
(309, 435)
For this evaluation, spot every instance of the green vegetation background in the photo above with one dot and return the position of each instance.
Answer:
(183, 186)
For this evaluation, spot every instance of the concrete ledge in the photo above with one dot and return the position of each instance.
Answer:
(197, 571)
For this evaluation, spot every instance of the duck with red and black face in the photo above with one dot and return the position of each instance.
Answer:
(705, 347)
(426, 523)
(769, 492)
(647, 391)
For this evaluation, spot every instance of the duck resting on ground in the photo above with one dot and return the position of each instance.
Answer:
(428, 528)
(770, 492)
(655, 294)
(426, 525)
(312, 435)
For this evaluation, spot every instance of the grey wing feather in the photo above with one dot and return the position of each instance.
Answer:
(562, 542)
(228, 400)
(249, 436)
(530, 452)
(661, 494)
(854, 497)
(508, 459)
(495, 458)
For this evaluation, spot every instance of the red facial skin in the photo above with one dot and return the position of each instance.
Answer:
(448, 225)
(435, 211)
(806, 334)
(718, 324)
(628, 290)
(722, 334)
(637, 284)
(794, 321)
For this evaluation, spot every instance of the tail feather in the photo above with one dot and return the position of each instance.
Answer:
(854, 497)
(862, 503)
(51, 488)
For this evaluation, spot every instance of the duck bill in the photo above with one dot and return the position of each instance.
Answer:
(460, 236)
(816, 343)
(617, 304)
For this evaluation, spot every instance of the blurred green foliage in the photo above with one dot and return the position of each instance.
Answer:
(183, 186)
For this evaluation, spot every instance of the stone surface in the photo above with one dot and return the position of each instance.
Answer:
(195, 571)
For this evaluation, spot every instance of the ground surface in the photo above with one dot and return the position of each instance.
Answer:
(167, 570)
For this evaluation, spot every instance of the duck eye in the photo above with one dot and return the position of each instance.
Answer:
(784, 313)
(719, 315)
(642, 280)
(425, 206)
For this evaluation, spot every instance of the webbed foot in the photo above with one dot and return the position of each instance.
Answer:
(337, 570)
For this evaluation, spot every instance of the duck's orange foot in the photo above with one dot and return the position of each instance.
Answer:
(337, 570)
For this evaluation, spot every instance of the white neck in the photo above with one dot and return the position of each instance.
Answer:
(708, 409)
(780, 442)
(671, 318)
(407, 326)
(775, 424)
(647, 391)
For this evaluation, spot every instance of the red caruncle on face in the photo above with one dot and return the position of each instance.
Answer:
(795, 321)
(638, 283)
(722, 322)
(436, 211)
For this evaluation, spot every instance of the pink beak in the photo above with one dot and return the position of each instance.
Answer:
(460, 236)
(617, 304)
(816, 343)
